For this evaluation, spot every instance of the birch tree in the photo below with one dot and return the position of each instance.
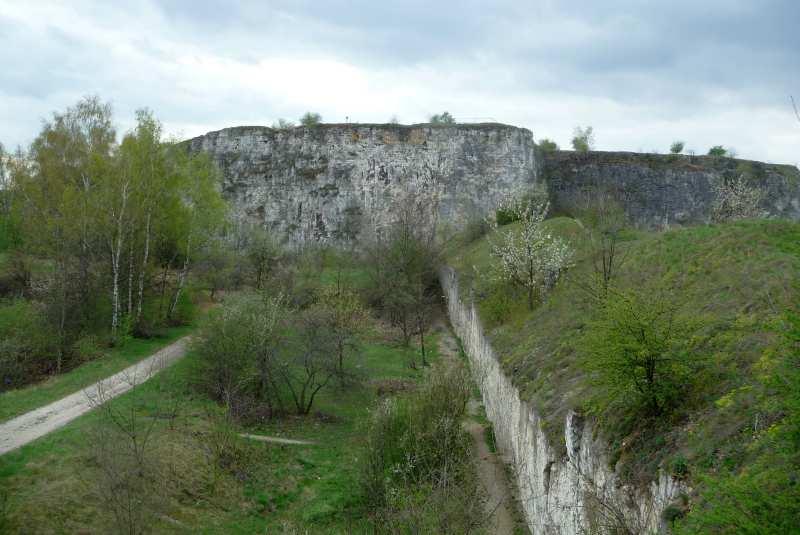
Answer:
(527, 255)
(201, 213)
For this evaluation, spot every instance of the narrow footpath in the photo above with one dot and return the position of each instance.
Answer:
(500, 501)
(28, 427)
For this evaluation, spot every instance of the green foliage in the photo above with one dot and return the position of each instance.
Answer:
(416, 475)
(583, 139)
(641, 354)
(761, 495)
(26, 347)
(547, 145)
(717, 150)
(443, 118)
(677, 147)
(311, 119)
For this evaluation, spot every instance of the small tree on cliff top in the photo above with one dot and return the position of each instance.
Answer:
(527, 255)
(310, 119)
(583, 139)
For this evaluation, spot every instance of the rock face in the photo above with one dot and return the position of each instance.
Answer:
(568, 494)
(325, 182)
(328, 182)
(659, 191)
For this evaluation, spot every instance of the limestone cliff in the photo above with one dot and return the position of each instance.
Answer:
(328, 181)
(660, 190)
(324, 182)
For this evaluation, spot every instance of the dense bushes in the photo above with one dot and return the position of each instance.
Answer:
(26, 346)
(416, 475)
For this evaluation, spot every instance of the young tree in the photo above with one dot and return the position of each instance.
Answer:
(312, 362)
(283, 124)
(443, 118)
(640, 352)
(311, 119)
(346, 315)
(528, 256)
(200, 212)
(263, 252)
(130, 482)
(604, 220)
(403, 261)
(735, 199)
(677, 147)
(583, 139)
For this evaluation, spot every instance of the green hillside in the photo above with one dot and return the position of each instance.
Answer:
(733, 430)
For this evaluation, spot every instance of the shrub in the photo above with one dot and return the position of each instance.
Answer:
(310, 119)
(474, 230)
(282, 124)
(442, 118)
(717, 150)
(548, 145)
(583, 139)
(417, 476)
(735, 199)
(27, 347)
(677, 147)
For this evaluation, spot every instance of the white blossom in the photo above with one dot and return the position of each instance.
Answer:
(528, 256)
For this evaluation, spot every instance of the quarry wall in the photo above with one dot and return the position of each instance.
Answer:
(326, 182)
(663, 190)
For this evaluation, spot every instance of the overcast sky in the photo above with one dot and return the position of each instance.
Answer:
(643, 73)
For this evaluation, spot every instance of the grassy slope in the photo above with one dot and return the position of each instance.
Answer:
(309, 487)
(738, 277)
(283, 488)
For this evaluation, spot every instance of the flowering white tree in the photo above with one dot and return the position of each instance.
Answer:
(736, 199)
(528, 256)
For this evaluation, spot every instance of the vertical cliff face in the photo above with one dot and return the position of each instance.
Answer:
(560, 494)
(326, 182)
(658, 190)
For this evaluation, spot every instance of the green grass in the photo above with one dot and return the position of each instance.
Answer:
(312, 488)
(19, 401)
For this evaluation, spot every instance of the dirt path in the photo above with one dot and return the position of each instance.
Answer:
(499, 503)
(28, 427)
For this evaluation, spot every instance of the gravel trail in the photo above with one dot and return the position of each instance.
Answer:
(27, 427)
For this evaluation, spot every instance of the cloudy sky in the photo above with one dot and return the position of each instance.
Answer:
(643, 73)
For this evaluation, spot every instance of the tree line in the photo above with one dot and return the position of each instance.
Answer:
(100, 232)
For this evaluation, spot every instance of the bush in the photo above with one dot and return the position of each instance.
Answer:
(310, 119)
(583, 139)
(87, 348)
(717, 150)
(677, 147)
(548, 145)
(442, 118)
(474, 230)
(417, 476)
(27, 349)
